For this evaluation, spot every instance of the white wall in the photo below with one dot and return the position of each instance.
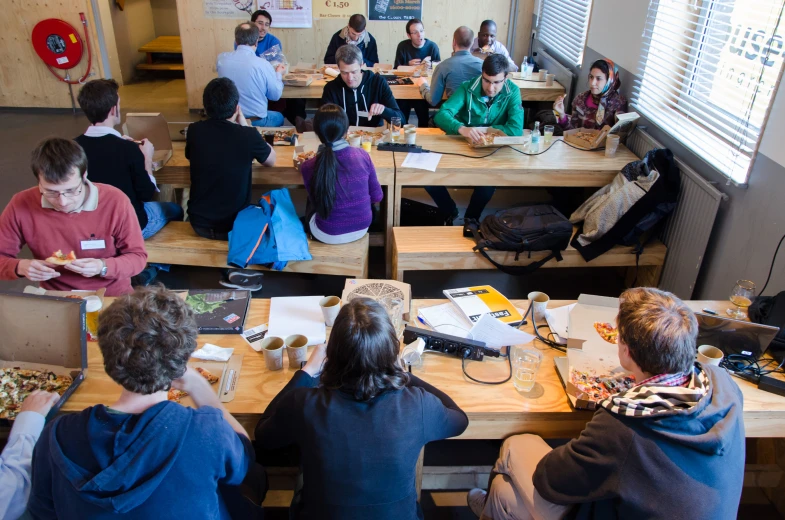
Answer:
(771, 143)
(616, 29)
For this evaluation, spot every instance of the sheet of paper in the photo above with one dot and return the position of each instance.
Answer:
(297, 315)
(255, 336)
(422, 161)
(558, 320)
(497, 334)
(447, 319)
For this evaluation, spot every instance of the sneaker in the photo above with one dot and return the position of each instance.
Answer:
(252, 288)
(449, 220)
(476, 500)
(243, 279)
(145, 278)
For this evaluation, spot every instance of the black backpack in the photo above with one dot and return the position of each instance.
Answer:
(642, 220)
(537, 227)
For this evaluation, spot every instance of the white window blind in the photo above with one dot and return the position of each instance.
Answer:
(562, 27)
(708, 74)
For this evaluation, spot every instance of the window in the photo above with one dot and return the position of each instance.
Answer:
(708, 73)
(562, 27)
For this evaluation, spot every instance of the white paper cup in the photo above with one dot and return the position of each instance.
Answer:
(330, 306)
(296, 350)
(708, 355)
(409, 127)
(549, 79)
(272, 348)
(355, 140)
(542, 74)
(411, 136)
(540, 303)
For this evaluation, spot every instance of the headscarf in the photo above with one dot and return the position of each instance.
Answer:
(610, 87)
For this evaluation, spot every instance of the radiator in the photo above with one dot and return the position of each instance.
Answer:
(687, 230)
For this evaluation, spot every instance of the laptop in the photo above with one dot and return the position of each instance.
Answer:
(734, 336)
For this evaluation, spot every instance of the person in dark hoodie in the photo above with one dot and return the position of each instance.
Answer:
(364, 95)
(144, 456)
(353, 35)
(670, 447)
(361, 427)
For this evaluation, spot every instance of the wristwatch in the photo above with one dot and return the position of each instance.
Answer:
(103, 270)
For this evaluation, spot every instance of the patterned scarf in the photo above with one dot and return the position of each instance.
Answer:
(649, 399)
(610, 86)
(364, 38)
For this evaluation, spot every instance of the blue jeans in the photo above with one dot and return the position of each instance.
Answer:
(273, 119)
(158, 214)
(480, 198)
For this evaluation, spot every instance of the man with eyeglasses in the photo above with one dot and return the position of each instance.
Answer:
(491, 100)
(356, 35)
(486, 44)
(414, 51)
(67, 212)
(267, 40)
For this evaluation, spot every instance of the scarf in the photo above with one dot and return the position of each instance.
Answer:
(340, 144)
(610, 86)
(363, 39)
(651, 399)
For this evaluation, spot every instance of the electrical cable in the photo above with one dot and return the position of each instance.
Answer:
(546, 341)
(509, 363)
(515, 149)
(771, 267)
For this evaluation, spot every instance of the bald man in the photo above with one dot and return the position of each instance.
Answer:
(453, 71)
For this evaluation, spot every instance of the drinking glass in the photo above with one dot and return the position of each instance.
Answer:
(525, 363)
(527, 137)
(395, 129)
(367, 142)
(741, 296)
(547, 134)
(93, 306)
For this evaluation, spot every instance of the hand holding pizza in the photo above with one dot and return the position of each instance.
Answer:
(87, 267)
(39, 402)
(35, 270)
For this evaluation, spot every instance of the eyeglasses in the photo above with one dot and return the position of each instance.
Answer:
(68, 194)
(263, 24)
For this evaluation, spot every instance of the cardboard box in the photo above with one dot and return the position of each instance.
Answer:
(153, 127)
(378, 290)
(228, 373)
(587, 138)
(305, 68)
(499, 138)
(39, 291)
(297, 80)
(272, 130)
(44, 333)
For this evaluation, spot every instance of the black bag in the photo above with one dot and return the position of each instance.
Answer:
(770, 310)
(639, 223)
(537, 227)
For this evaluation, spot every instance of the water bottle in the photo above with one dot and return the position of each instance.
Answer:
(535, 145)
(526, 67)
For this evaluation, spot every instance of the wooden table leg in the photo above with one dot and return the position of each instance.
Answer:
(388, 225)
(397, 204)
(149, 57)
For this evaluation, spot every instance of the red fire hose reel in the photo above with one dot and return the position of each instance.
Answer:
(59, 45)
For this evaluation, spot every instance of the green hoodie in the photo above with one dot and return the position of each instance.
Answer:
(466, 108)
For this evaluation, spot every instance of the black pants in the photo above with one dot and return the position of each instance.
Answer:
(211, 233)
(421, 108)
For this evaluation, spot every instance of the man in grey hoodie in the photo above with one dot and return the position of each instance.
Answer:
(670, 447)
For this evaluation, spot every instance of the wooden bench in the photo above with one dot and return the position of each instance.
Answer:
(162, 45)
(441, 248)
(178, 244)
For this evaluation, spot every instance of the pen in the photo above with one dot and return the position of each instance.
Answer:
(709, 311)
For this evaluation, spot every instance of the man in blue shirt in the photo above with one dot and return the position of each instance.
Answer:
(263, 20)
(256, 80)
(453, 71)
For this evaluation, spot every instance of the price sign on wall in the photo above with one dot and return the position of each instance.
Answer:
(394, 10)
(337, 8)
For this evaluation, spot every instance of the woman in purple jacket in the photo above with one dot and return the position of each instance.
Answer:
(341, 182)
(597, 106)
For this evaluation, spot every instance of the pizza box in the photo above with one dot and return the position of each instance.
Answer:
(271, 130)
(580, 330)
(380, 134)
(219, 311)
(305, 68)
(578, 366)
(298, 80)
(153, 127)
(228, 373)
(499, 138)
(46, 333)
(40, 291)
(379, 289)
(587, 138)
(406, 70)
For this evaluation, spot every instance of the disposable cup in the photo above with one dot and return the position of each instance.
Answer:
(330, 306)
(296, 349)
(355, 140)
(272, 348)
(540, 303)
(549, 79)
(542, 74)
(611, 145)
(709, 355)
(411, 136)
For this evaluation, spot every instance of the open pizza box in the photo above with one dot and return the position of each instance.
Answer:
(380, 134)
(303, 151)
(153, 127)
(40, 291)
(288, 134)
(227, 372)
(379, 290)
(587, 138)
(299, 80)
(496, 138)
(44, 333)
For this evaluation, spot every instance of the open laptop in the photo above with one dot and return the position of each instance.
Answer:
(734, 336)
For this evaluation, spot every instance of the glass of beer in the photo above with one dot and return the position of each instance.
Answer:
(93, 306)
(547, 134)
(395, 129)
(741, 296)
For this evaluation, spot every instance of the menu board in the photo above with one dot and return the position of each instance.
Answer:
(394, 10)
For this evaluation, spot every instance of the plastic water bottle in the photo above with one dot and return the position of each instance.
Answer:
(535, 145)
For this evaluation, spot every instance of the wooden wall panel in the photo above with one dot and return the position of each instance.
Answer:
(203, 39)
(24, 79)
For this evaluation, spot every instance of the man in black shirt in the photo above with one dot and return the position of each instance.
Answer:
(119, 161)
(412, 52)
(221, 150)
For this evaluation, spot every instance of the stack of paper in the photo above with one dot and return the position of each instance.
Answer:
(297, 315)
(448, 319)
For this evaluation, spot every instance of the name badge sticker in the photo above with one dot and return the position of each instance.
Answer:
(93, 244)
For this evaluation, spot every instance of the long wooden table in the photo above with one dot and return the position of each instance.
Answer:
(495, 411)
(530, 91)
(560, 165)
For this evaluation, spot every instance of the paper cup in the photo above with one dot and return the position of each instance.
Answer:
(409, 127)
(272, 348)
(296, 350)
(355, 140)
(540, 303)
(330, 306)
(549, 79)
(542, 74)
(708, 355)
(411, 136)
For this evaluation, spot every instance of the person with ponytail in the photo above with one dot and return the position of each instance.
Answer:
(597, 106)
(341, 182)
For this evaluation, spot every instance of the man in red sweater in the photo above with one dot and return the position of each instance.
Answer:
(67, 212)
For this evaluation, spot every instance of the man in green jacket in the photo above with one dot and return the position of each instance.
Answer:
(491, 100)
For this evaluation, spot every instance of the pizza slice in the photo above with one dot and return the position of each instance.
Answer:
(607, 332)
(175, 395)
(58, 258)
(211, 378)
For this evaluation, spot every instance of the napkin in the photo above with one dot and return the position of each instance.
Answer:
(329, 71)
(210, 352)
